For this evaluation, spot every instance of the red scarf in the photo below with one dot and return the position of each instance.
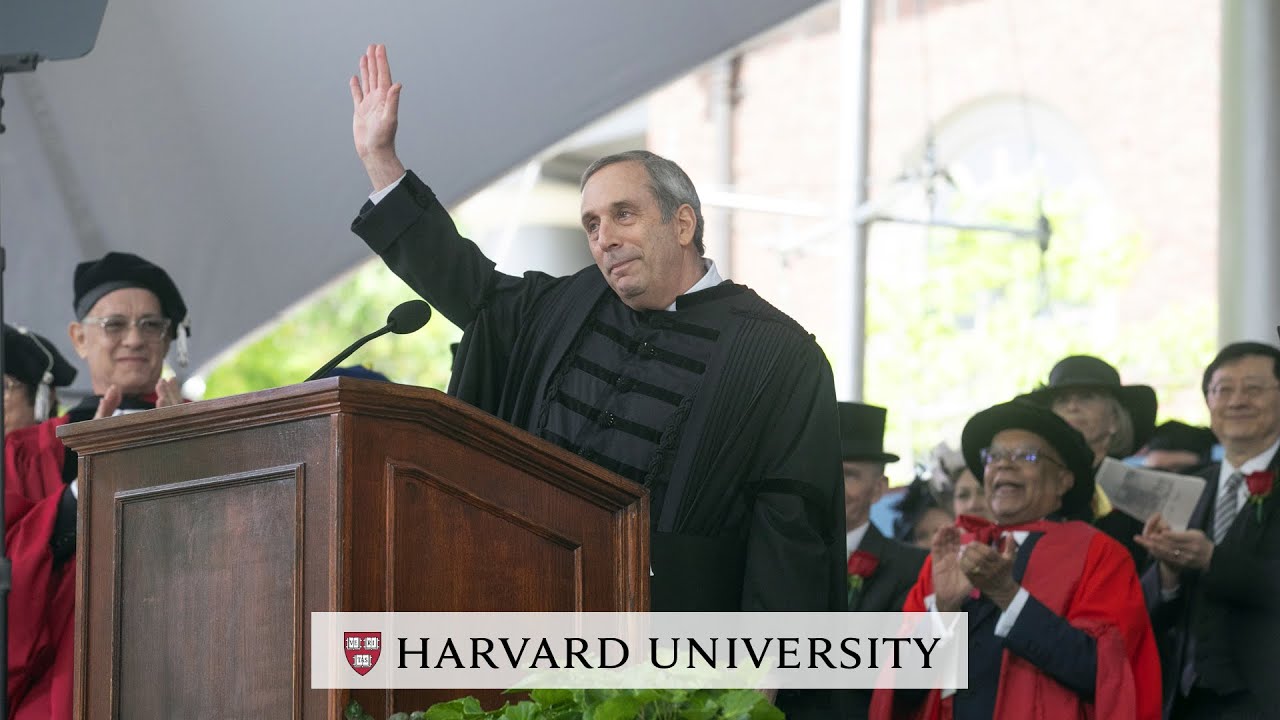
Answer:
(978, 529)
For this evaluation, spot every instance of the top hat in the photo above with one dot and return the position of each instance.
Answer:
(862, 433)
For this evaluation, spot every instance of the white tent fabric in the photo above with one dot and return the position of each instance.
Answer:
(214, 139)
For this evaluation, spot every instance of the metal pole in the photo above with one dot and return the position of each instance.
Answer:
(719, 227)
(1249, 178)
(855, 118)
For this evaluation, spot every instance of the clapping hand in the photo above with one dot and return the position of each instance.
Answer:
(950, 584)
(1176, 550)
(991, 569)
(168, 392)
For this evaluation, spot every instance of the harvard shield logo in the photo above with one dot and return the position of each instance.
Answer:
(362, 650)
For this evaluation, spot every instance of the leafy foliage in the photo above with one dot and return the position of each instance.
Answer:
(322, 326)
(603, 705)
(982, 317)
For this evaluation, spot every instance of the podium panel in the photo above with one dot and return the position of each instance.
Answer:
(210, 531)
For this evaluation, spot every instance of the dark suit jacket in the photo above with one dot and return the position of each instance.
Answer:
(885, 591)
(1239, 595)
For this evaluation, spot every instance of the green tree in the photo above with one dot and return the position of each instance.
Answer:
(988, 315)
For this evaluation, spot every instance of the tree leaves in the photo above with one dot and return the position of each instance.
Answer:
(648, 704)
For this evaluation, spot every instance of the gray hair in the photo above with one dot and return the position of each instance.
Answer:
(1121, 444)
(670, 186)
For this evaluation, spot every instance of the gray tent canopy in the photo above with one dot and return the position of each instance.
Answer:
(214, 138)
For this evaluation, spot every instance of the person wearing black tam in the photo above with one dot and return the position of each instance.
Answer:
(1058, 626)
(1178, 447)
(33, 367)
(127, 313)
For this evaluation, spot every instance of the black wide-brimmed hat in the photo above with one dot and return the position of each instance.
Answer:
(1085, 372)
(1022, 414)
(862, 433)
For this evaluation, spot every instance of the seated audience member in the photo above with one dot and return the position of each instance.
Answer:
(969, 498)
(127, 312)
(1057, 623)
(1115, 420)
(920, 515)
(1214, 592)
(33, 367)
(964, 490)
(1178, 447)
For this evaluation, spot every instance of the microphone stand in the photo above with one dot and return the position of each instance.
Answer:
(344, 355)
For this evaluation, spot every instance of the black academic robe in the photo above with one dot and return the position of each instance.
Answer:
(748, 499)
(1222, 630)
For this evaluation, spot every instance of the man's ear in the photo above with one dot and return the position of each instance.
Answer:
(686, 223)
(76, 332)
(880, 487)
(1066, 481)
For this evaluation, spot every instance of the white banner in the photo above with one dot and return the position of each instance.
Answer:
(639, 650)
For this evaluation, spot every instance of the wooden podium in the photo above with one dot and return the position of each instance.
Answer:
(210, 531)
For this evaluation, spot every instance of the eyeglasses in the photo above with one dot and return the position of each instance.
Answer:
(1248, 391)
(150, 327)
(11, 384)
(1020, 457)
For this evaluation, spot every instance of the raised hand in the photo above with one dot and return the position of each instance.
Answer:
(950, 586)
(375, 118)
(168, 392)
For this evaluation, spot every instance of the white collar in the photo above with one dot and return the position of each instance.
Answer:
(709, 279)
(1261, 461)
(854, 538)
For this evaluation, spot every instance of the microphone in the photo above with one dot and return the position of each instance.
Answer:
(405, 318)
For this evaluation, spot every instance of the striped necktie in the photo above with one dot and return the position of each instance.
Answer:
(1228, 505)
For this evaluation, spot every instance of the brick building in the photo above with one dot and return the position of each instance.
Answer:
(1106, 111)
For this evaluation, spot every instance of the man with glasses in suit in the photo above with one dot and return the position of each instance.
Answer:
(1214, 593)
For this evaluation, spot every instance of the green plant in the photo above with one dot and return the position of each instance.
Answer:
(603, 705)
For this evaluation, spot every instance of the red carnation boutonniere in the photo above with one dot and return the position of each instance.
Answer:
(862, 565)
(1260, 485)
